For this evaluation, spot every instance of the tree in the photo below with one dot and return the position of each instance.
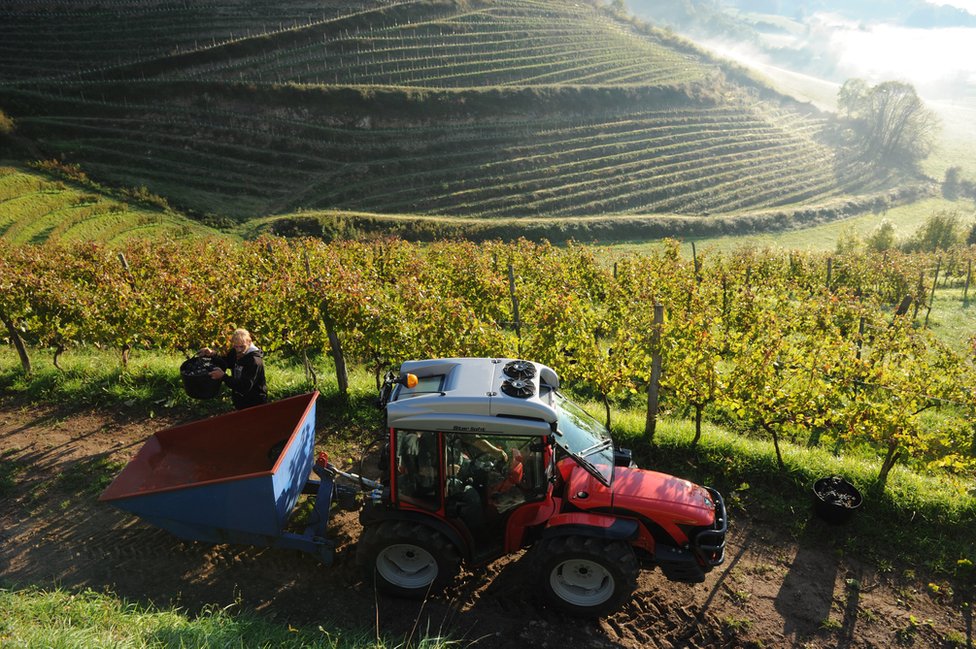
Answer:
(786, 371)
(852, 96)
(848, 241)
(940, 231)
(951, 183)
(16, 273)
(893, 124)
(691, 348)
(883, 237)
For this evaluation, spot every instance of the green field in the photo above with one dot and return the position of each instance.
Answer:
(906, 219)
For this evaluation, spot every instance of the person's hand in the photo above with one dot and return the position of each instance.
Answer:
(516, 456)
(206, 352)
(217, 374)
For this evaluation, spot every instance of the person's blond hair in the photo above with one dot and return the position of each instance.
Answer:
(242, 335)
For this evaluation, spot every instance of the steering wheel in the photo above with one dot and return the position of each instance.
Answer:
(481, 466)
(489, 462)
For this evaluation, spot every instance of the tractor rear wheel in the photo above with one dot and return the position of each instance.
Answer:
(407, 559)
(587, 576)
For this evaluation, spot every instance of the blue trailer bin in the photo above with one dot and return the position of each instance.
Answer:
(233, 478)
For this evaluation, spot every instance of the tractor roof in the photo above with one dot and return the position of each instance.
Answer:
(478, 395)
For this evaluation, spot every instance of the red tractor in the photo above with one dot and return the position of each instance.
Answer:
(486, 457)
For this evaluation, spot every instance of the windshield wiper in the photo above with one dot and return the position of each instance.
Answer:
(599, 446)
(593, 470)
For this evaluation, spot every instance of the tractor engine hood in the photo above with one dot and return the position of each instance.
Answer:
(667, 500)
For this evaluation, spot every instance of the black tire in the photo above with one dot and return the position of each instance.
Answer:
(407, 559)
(587, 576)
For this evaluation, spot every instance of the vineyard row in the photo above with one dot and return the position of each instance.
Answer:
(778, 344)
(659, 161)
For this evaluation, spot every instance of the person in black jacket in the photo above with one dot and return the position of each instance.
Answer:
(242, 369)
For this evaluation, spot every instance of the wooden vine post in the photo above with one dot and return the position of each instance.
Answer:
(515, 307)
(969, 277)
(935, 282)
(126, 347)
(335, 347)
(919, 294)
(653, 388)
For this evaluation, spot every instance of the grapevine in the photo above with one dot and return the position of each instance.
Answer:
(771, 343)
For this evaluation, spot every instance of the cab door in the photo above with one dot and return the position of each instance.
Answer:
(487, 479)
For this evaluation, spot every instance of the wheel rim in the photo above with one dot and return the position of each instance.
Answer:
(407, 566)
(581, 582)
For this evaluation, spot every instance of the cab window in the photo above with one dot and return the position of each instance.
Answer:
(503, 471)
(418, 468)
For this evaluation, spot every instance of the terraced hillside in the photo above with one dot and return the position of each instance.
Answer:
(64, 39)
(475, 108)
(406, 43)
(35, 208)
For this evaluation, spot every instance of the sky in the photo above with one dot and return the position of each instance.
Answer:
(968, 5)
(934, 60)
(939, 62)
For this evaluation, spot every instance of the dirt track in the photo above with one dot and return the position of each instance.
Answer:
(771, 592)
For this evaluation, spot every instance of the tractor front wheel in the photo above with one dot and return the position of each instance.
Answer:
(407, 559)
(587, 576)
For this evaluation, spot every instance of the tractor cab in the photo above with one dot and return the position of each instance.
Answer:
(463, 459)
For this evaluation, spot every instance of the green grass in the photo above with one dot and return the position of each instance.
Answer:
(151, 383)
(64, 619)
(917, 519)
(957, 142)
(953, 320)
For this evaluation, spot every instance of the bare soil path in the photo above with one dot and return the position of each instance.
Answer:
(772, 591)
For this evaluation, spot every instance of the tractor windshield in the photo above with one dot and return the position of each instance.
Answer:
(584, 438)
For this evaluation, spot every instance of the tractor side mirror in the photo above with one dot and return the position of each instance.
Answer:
(390, 380)
(623, 457)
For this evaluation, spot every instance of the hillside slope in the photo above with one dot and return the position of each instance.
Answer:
(472, 108)
(41, 205)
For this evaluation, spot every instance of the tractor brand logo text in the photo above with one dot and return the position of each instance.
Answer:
(469, 429)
